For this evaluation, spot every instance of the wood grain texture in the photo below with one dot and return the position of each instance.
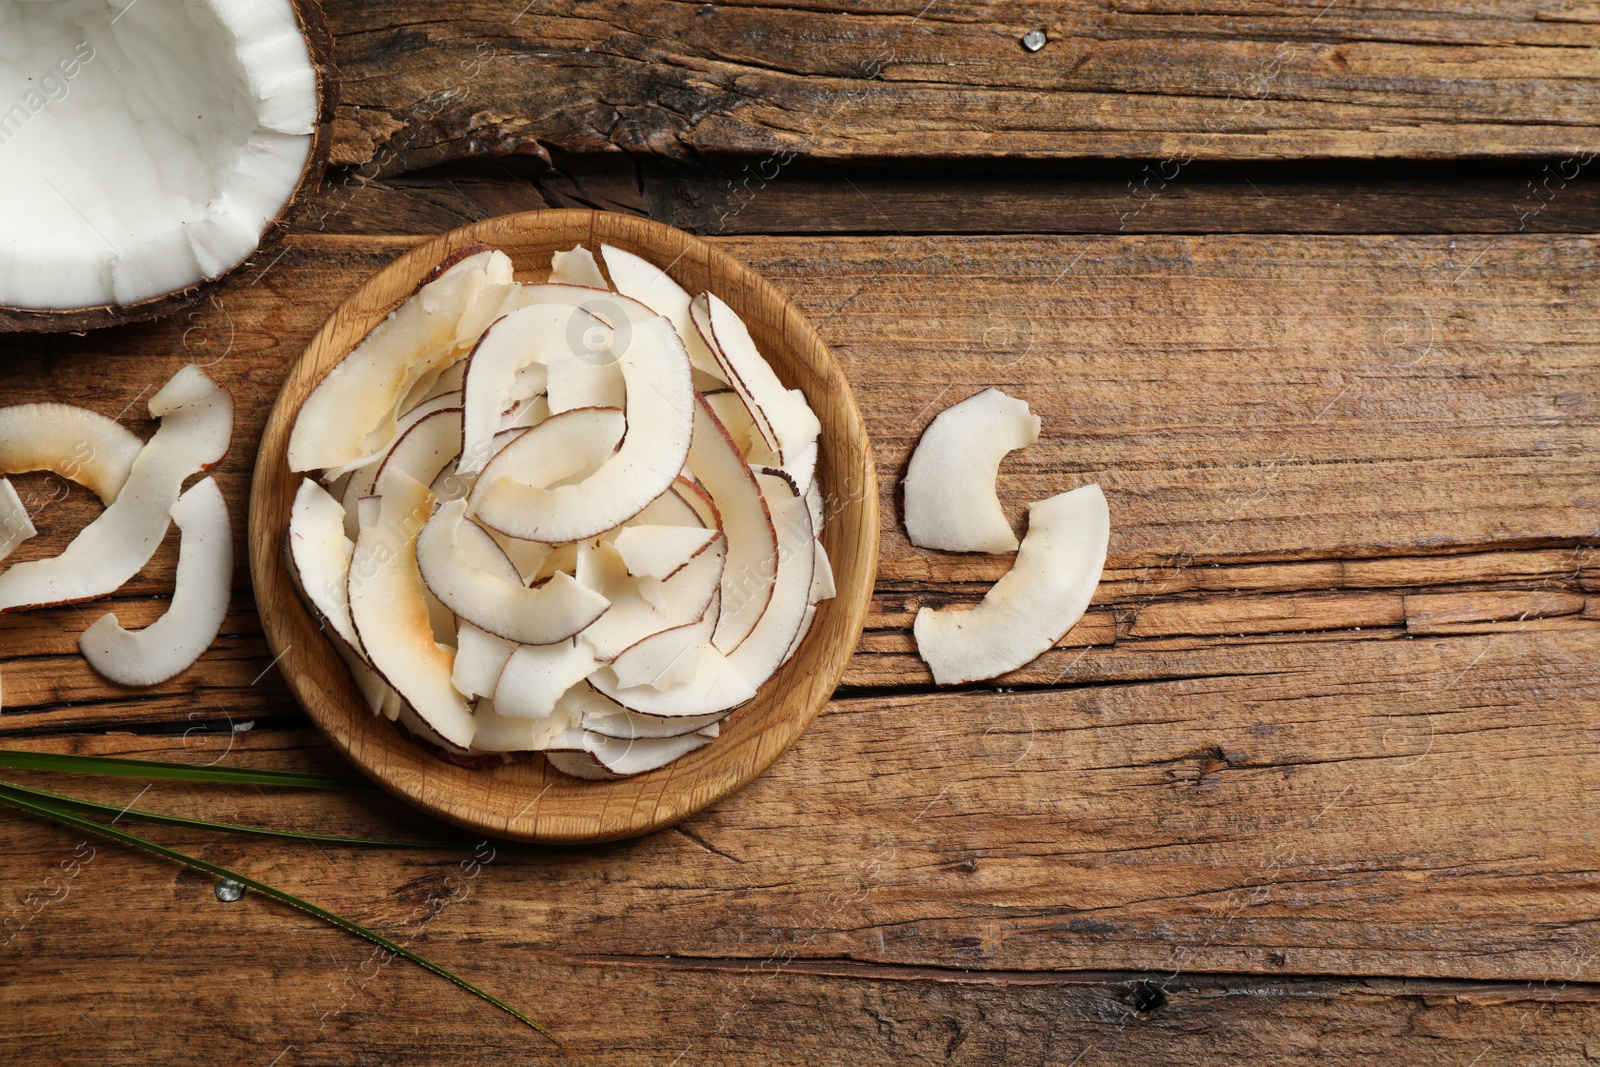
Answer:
(528, 800)
(1216, 773)
(1161, 80)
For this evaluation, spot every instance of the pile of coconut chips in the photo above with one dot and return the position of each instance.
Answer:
(141, 485)
(578, 518)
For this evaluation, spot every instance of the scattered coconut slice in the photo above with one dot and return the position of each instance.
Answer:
(196, 421)
(747, 521)
(950, 483)
(785, 420)
(80, 445)
(15, 525)
(351, 413)
(535, 677)
(661, 551)
(320, 552)
(191, 131)
(480, 657)
(390, 611)
(528, 337)
(660, 422)
(1031, 608)
(651, 286)
(576, 267)
(451, 565)
(199, 600)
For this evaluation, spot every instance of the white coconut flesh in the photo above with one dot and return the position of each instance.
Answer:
(147, 146)
(784, 418)
(574, 519)
(752, 542)
(199, 600)
(722, 682)
(80, 445)
(320, 553)
(1026, 612)
(660, 421)
(636, 277)
(390, 612)
(531, 336)
(498, 602)
(196, 422)
(950, 498)
(15, 525)
(351, 413)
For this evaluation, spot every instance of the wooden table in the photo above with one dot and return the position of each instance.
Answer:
(1310, 290)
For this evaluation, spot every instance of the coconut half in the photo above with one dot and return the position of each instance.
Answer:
(950, 483)
(149, 148)
(1034, 605)
(199, 600)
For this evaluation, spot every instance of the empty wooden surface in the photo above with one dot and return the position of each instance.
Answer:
(1314, 780)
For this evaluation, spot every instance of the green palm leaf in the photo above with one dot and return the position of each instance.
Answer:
(94, 807)
(63, 815)
(139, 768)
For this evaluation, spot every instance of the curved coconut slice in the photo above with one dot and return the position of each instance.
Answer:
(80, 445)
(15, 525)
(499, 602)
(814, 506)
(576, 267)
(351, 413)
(601, 715)
(638, 755)
(581, 381)
(660, 421)
(661, 551)
(722, 682)
(196, 421)
(652, 660)
(199, 600)
(390, 612)
(375, 692)
(651, 286)
(564, 445)
(784, 419)
(403, 713)
(535, 676)
(950, 483)
(632, 617)
(803, 467)
(747, 521)
(191, 129)
(480, 657)
(1034, 605)
(530, 336)
(320, 554)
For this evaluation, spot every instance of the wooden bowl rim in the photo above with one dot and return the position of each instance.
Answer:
(561, 810)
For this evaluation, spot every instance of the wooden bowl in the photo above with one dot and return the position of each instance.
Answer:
(528, 800)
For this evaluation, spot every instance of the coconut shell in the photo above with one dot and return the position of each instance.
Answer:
(319, 42)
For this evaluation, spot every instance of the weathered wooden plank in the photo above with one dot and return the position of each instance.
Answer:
(757, 199)
(1175, 81)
